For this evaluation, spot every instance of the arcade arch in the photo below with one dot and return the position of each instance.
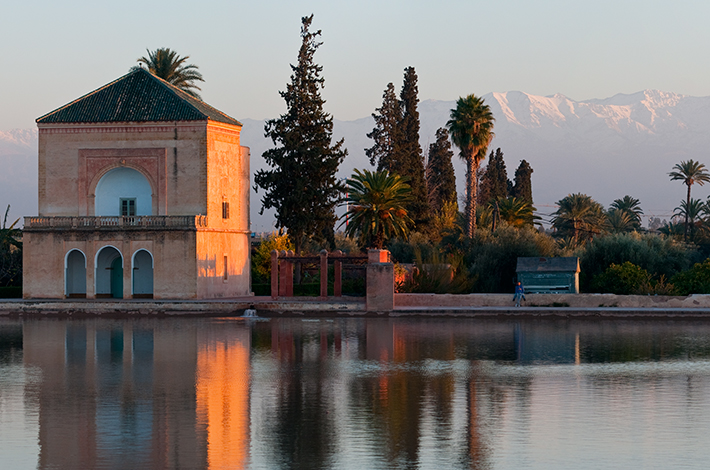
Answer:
(109, 273)
(142, 274)
(75, 274)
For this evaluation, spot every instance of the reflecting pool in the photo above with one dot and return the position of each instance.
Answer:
(236, 393)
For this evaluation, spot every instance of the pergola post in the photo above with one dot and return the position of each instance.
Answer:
(338, 271)
(274, 274)
(285, 275)
(323, 274)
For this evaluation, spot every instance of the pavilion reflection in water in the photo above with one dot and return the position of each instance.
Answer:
(139, 394)
(287, 393)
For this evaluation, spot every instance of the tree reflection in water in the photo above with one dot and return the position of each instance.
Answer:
(358, 393)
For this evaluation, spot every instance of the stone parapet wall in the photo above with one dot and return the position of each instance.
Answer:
(551, 300)
(141, 222)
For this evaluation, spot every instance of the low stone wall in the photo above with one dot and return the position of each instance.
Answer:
(405, 304)
(551, 300)
(228, 307)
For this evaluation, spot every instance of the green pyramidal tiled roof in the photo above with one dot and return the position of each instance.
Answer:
(138, 96)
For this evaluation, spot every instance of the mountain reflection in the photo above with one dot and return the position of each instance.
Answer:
(293, 393)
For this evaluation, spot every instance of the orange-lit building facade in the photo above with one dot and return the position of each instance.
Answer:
(143, 193)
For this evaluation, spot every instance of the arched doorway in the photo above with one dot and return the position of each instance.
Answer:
(142, 275)
(123, 192)
(109, 273)
(75, 274)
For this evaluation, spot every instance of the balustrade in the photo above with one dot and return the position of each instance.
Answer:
(137, 222)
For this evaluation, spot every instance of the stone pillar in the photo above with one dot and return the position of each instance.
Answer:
(380, 282)
(283, 273)
(274, 274)
(289, 275)
(286, 275)
(90, 271)
(324, 274)
(127, 276)
(338, 271)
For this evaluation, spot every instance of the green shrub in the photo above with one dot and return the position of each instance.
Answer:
(307, 290)
(696, 280)
(405, 251)
(354, 286)
(621, 279)
(346, 244)
(261, 258)
(492, 258)
(657, 254)
(439, 276)
(657, 287)
(261, 289)
(11, 292)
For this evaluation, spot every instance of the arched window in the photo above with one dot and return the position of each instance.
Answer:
(123, 191)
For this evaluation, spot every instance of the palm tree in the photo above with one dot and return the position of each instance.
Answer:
(10, 256)
(471, 129)
(630, 206)
(168, 65)
(672, 229)
(689, 172)
(691, 213)
(515, 211)
(620, 221)
(377, 202)
(579, 214)
(9, 235)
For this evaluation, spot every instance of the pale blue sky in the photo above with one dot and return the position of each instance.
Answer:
(54, 51)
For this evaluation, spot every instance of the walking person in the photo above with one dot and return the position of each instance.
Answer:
(519, 293)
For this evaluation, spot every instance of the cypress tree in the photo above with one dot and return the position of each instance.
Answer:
(386, 134)
(441, 180)
(523, 182)
(396, 143)
(301, 185)
(412, 161)
(483, 195)
(494, 183)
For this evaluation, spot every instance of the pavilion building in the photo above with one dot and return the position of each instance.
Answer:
(143, 193)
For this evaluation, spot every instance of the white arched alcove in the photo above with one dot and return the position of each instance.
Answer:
(123, 183)
(75, 274)
(142, 274)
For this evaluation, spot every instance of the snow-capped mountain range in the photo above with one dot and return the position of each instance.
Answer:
(606, 148)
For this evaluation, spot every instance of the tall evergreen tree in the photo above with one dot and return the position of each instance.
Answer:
(301, 185)
(411, 164)
(440, 177)
(494, 182)
(523, 182)
(387, 137)
(396, 143)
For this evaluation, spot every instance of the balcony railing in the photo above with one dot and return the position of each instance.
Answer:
(117, 222)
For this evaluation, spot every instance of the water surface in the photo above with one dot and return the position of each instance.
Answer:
(354, 393)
